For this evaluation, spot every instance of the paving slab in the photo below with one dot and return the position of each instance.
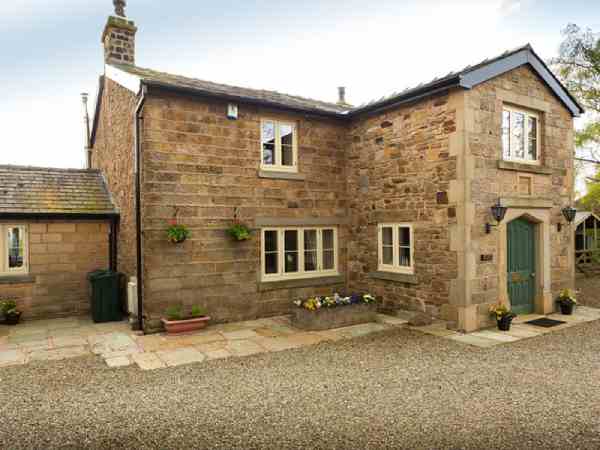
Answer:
(522, 332)
(212, 346)
(201, 338)
(500, 336)
(57, 354)
(148, 361)
(181, 356)
(118, 361)
(277, 344)
(391, 320)
(473, 340)
(362, 330)
(11, 357)
(218, 354)
(244, 347)
(30, 346)
(68, 341)
(239, 334)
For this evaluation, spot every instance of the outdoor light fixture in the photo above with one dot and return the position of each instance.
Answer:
(569, 214)
(498, 211)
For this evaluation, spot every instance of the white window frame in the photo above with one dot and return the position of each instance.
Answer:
(527, 114)
(281, 275)
(4, 269)
(278, 167)
(395, 267)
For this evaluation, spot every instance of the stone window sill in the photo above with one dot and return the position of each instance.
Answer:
(301, 282)
(17, 279)
(272, 174)
(521, 167)
(391, 276)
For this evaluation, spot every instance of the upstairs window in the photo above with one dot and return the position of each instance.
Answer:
(396, 248)
(520, 136)
(13, 248)
(298, 253)
(279, 147)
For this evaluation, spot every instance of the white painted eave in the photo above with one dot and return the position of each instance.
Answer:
(122, 78)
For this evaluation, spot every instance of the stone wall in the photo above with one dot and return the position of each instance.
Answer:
(201, 165)
(400, 170)
(61, 254)
(539, 193)
(113, 153)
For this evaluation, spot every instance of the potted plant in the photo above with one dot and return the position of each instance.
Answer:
(503, 315)
(176, 322)
(177, 233)
(238, 230)
(11, 314)
(566, 301)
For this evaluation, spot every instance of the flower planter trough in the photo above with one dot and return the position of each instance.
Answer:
(340, 316)
(185, 325)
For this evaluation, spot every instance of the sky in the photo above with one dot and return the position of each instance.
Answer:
(51, 51)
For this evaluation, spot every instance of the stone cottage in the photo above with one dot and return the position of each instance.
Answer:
(393, 197)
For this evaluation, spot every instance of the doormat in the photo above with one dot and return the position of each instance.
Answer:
(545, 322)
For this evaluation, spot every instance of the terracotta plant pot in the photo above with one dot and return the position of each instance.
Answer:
(566, 308)
(12, 319)
(185, 325)
(504, 323)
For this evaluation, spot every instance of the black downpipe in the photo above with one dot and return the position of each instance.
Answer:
(112, 251)
(139, 121)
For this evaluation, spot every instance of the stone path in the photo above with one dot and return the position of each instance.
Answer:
(519, 329)
(119, 346)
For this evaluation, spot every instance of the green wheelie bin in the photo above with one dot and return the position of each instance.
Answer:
(105, 299)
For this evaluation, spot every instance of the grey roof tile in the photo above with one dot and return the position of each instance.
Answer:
(53, 191)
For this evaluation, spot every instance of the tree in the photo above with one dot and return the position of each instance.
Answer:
(578, 67)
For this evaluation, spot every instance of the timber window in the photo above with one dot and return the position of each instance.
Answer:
(396, 247)
(279, 146)
(297, 252)
(520, 135)
(14, 249)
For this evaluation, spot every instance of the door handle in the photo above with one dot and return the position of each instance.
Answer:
(533, 275)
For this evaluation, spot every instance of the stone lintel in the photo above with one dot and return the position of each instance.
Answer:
(525, 203)
(299, 221)
(302, 282)
(521, 167)
(392, 276)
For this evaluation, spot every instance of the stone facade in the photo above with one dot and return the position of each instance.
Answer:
(537, 193)
(400, 171)
(434, 163)
(61, 254)
(113, 153)
(200, 165)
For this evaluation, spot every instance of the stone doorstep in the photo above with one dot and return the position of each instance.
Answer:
(118, 361)
(473, 340)
(499, 336)
(148, 361)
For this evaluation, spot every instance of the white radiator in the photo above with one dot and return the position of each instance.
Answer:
(132, 302)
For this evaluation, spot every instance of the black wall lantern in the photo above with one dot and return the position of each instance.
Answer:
(498, 211)
(569, 214)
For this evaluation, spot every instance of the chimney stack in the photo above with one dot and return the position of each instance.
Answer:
(86, 129)
(119, 37)
(342, 96)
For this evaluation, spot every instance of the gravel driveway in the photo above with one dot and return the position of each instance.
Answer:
(396, 389)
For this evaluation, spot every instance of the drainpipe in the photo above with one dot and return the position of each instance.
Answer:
(139, 123)
(114, 233)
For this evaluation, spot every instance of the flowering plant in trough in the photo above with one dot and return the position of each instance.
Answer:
(177, 232)
(315, 303)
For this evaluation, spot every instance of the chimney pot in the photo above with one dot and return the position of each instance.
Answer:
(342, 95)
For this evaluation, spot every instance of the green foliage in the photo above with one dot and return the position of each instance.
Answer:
(239, 232)
(173, 313)
(178, 233)
(198, 311)
(591, 200)
(567, 297)
(8, 307)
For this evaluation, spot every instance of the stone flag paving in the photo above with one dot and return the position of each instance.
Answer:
(119, 346)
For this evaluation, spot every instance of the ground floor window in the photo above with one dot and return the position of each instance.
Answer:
(396, 247)
(13, 248)
(298, 252)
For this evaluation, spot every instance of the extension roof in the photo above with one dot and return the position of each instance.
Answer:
(48, 192)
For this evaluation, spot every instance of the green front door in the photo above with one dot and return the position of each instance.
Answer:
(521, 265)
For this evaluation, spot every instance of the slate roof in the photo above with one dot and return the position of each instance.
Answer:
(464, 78)
(151, 77)
(37, 190)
